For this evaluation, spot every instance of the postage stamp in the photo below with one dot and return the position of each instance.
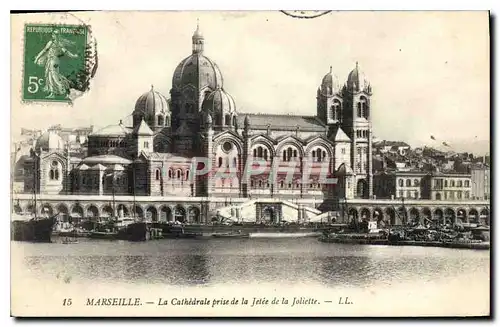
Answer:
(54, 61)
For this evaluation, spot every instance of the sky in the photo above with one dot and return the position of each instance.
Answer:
(429, 71)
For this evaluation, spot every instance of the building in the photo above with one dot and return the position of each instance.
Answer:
(447, 186)
(423, 185)
(480, 177)
(157, 154)
(399, 185)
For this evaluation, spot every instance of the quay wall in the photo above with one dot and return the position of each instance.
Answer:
(200, 208)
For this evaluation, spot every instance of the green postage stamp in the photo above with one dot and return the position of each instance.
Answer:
(55, 62)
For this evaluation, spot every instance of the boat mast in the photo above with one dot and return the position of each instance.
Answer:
(133, 190)
(113, 193)
(35, 177)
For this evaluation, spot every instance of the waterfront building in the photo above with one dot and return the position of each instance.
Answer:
(423, 185)
(155, 155)
(148, 167)
(480, 176)
(399, 185)
(447, 186)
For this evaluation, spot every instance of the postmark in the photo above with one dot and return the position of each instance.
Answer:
(305, 13)
(58, 62)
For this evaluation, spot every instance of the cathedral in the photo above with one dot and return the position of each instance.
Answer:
(158, 154)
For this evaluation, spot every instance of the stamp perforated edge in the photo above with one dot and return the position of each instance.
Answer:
(89, 37)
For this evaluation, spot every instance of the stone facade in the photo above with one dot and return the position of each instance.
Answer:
(156, 155)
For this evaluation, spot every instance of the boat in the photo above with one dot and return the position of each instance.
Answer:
(237, 234)
(135, 231)
(68, 240)
(103, 235)
(179, 231)
(32, 227)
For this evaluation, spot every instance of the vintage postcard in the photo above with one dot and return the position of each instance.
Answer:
(274, 163)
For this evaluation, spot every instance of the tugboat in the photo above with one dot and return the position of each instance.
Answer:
(103, 231)
(32, 228)
(130, 229)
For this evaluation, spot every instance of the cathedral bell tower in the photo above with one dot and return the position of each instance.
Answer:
(358, 126)
(329, 101)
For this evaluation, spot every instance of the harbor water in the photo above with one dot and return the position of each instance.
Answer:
(456, 278)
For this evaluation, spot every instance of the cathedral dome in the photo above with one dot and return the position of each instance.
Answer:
(330, 84)
(219, 103)
(357, 82)
(151, 103)
(50, 141)
(197, 70)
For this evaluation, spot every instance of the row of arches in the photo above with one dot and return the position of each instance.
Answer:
(163, 213)
(264, 148)
(398, 216)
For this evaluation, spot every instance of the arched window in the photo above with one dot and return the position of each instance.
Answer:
(234, 162)
(359, 109)
(170, 173)
(259, 152)
(83, 180)
(228, 120)
(459, 183)
(289, 153)
(251, 183)
(295, 154)
(265, 154)
(335, 110)
(178, 174)
(466, 183)
(54, 170)
(364, 107)
(220, 162)
(452, 183)
(234, 120)
(260, 184)
(160, 121)
(157, 174)
(445, 183)
(408, 182)
(282, 184)
(255, 153)
(187, 174)
(401, 182)
(415, 182)
(284, 155)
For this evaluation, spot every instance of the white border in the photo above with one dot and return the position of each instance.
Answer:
(189, 5)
